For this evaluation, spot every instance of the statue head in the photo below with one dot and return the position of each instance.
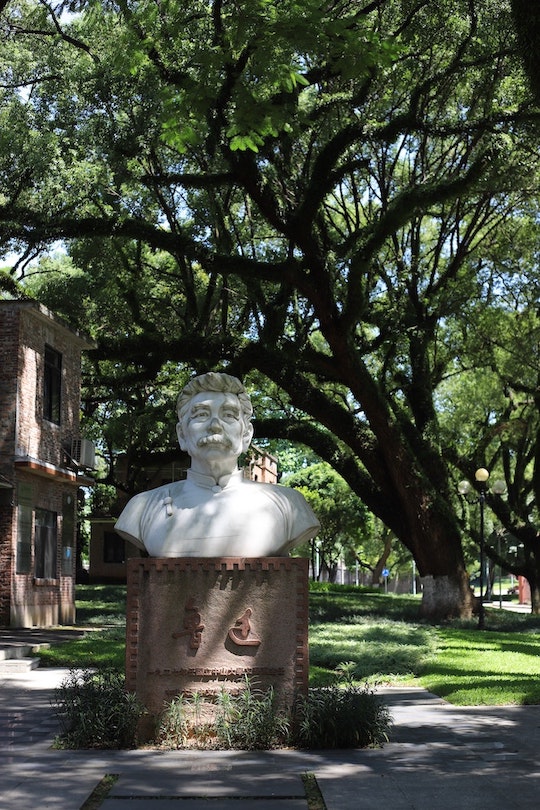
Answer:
(213, 384)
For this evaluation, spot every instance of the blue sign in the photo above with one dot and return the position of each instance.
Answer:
(385, 572)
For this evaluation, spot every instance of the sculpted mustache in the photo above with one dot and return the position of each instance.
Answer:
(215, 438)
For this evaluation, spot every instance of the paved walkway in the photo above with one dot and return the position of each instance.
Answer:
(439, 757)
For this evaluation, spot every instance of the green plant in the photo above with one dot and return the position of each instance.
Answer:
(335, 717)
(248, 721)
(313, 793)
(101, 605)
(173, 726)
(197, 708)
(100, 792)
(475, 668)
(105, 649)
(251, 720)
(346, 672)
(186, 722)
(382, 634)
(327, 718)
(376, 648)
(96, 711)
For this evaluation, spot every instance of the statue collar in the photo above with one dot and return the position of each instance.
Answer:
(208, 482)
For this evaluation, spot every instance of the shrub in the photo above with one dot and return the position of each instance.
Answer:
(173, 725)
(247, 721)
(251, 720)
(95, 711)
(334, 717)
(337, 717)
(186, 722)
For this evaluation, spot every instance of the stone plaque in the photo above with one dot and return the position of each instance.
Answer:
(201, 625)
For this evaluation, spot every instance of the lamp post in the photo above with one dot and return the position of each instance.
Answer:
(481, 476)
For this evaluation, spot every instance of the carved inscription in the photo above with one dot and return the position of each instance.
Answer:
(242, 633)
(193, 626)
(220, 672)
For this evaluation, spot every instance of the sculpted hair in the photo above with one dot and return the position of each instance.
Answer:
(214, 381)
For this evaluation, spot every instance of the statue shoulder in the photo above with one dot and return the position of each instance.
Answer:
(286, 496)
(288, 493)
(152, 497)
(301, 520)
(158, 493)
(141, 509)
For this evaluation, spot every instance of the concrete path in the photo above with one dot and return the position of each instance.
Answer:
(439, 758)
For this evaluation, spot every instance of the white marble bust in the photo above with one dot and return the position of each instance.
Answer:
(216, 512)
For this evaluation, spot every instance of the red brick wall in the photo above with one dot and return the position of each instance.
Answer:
(9, 331)
(34, 601)
(9, 360)
(25, 329)
(36, 437)
(6, 560)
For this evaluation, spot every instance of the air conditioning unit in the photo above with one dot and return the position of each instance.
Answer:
(83, 452)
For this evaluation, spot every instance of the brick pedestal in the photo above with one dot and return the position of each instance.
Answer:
(204, 624)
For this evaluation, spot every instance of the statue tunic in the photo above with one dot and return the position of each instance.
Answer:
(234, 517)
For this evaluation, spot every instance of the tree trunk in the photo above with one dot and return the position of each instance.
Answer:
(436, 547)
(534, 585)
(533, 579)
(332, 572)
(531, 569)
(527, 24)
(409, 493)
(381, 562)
(444, 597)
(313, 553)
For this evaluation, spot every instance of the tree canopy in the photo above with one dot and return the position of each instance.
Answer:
(342, 515)
(324, 194)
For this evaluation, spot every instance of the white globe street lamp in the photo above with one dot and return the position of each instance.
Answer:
(464, 488)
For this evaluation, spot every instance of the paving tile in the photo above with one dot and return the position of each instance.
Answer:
(50, 792)
(209, 785)
(204, 804)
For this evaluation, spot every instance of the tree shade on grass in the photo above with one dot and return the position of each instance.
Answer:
(489, 668)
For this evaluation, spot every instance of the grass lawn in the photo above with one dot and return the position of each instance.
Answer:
(377, 636)
(101, 605)
(101, 610)
(473, 668)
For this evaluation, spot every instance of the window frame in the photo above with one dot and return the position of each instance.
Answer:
(114, 548)
(45, 544)
(52, 385)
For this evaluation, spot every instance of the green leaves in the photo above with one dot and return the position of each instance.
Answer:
(319, 192)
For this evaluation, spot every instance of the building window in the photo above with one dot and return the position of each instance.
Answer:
(68, 534)
(52, 385)
(45, 544)
(114, 548)
(23, 560)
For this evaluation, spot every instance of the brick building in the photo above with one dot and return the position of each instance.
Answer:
(42, 464)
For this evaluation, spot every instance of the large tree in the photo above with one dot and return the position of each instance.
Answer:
(526, 19)
(303, 188)
(490, 406)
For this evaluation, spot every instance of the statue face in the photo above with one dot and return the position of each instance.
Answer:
(213, 428)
